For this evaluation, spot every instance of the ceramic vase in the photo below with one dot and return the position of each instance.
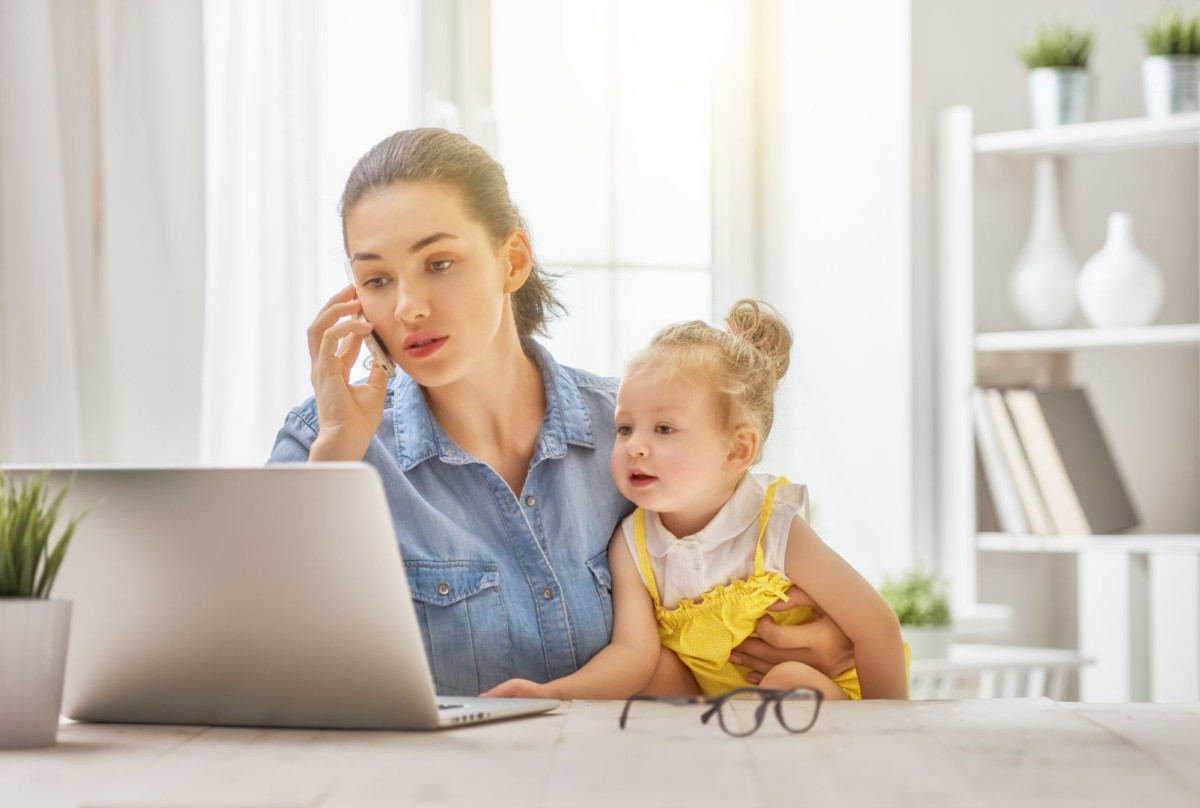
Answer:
(1119, 286)
(33, 656)
(1043, 281)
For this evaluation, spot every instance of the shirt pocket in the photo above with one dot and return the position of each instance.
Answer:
(463, 624)
(598, 564)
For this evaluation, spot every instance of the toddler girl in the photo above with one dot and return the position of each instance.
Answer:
(712, 546)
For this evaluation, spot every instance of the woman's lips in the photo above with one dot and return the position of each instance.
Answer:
(419, 346)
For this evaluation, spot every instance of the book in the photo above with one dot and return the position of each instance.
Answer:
(1037, 515)
(1072, 462)
(1005, 501)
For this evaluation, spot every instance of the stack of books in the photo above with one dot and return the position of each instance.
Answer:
(1047, 468)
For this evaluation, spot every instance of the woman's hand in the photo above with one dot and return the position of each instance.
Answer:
(348, 414)
(819, 643)
(520, 689)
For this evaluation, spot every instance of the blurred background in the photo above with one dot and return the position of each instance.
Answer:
(169, 179)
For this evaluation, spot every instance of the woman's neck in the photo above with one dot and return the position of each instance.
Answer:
(495, 412)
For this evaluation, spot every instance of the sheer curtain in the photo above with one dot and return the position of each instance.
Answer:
(296, 92)
(101, 231)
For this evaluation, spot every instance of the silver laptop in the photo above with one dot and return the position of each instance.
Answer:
(267, 597)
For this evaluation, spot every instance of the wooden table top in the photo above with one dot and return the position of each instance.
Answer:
(921, 753)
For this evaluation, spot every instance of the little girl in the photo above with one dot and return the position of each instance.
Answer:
(711, 545)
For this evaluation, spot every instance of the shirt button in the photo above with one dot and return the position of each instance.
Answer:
(548, 593)
(531, 501)
(443, 588)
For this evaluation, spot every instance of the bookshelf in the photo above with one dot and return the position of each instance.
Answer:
(1120, 634)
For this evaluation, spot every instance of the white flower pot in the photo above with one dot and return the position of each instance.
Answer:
(1058, 96)
(1119, 286)
(927, 643)
(1170, 85)
(1042, 284)
(33, 657)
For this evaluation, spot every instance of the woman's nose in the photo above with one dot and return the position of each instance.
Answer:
(412, 302)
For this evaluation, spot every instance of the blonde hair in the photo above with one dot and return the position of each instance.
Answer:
(742, 365)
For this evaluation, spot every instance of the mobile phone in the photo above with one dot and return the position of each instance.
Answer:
(379, 354)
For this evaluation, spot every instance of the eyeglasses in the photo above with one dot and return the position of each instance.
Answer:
(796, 709)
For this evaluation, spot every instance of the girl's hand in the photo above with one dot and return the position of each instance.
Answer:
(820, 643)
(520, 689)
(348, 414)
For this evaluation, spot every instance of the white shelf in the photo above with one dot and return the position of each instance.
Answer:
(1144, 543)
(1100, 136)
(1085, 338)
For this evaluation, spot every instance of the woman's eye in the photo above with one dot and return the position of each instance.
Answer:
(624, 431)
(663, 429)
(442, 265)
(374, 283)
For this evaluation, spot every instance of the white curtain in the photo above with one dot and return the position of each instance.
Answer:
(101, 231)
(296, 91)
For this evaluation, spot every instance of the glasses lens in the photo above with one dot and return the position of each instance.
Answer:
(797, 709)
(741, 713)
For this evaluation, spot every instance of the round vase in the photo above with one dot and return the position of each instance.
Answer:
(1042, 284)
(1119, 286)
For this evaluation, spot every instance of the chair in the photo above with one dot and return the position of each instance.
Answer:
(995, 671)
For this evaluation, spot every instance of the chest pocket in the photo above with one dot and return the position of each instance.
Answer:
(463, 623)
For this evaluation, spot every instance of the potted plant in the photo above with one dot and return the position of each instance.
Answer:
(1057, 58)
(921, 605)
(1171, 70)
(33, 627)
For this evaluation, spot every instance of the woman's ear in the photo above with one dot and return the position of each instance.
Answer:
(516, 256)
(743, 449)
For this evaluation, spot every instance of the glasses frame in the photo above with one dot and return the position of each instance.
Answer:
(767, 697)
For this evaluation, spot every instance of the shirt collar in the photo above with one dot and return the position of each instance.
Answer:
(420, 437)
(741, 511)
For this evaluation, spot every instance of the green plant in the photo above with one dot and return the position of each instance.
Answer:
(28, 564)
(1058, 44)
(1172, 34)
(917, 599)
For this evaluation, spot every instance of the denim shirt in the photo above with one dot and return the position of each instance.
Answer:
(503, 585)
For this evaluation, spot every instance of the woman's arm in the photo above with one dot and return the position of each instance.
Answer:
(855, 606)
(625, 665)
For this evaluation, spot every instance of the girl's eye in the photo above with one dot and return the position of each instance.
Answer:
(442, 265)
(663, 429)
(624, 431)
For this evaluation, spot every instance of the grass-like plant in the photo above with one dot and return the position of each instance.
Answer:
(29, 562)
(1172, 34)
(1057, 44)
(917, 599)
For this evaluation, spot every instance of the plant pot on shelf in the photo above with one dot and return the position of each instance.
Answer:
(925, 642)
(1058, 96)
(1119, 286)
(1171, 84)
(1042, 284)
(33, 634)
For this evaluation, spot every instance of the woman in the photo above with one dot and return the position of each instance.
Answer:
(494, 456)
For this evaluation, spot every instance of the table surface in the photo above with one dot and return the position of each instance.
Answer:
(930, 753)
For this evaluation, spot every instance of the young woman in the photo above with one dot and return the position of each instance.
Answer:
(494, 456)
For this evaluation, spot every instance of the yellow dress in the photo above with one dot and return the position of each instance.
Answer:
(704, 632)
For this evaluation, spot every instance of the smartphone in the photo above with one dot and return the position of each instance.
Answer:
(378, 354)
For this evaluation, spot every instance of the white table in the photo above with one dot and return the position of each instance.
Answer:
(977, 753)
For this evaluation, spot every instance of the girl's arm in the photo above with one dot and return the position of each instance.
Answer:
(625, 665)
(854, 605)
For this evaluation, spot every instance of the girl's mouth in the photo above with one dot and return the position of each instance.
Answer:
(639, 480)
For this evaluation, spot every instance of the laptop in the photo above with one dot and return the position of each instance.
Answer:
(264, 597)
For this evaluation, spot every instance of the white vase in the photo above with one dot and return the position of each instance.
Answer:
(927, 643)
(1120, 286)
(33, 656)
(1043, 281)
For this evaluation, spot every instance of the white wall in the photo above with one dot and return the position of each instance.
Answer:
(835, 232)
